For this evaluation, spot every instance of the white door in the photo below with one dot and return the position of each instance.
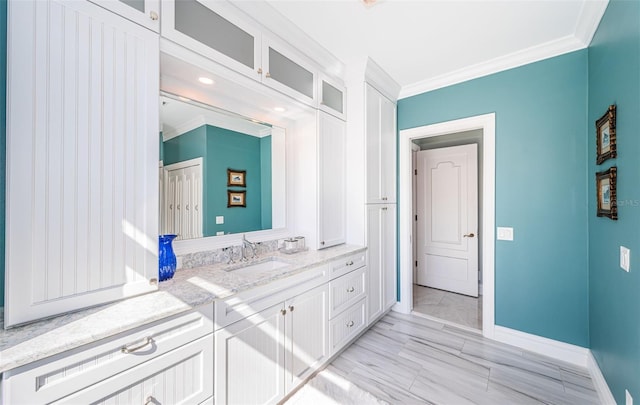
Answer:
(448, 219)
(183, 199)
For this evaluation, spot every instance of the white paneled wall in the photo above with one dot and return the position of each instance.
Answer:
(82, 157)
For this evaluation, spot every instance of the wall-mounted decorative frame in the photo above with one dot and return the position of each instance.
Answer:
(237, 178)
(236, 198)
(606, 193)
(606, 136)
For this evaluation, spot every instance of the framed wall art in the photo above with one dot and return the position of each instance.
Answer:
(236, 178)
(606, 136)
(606, 193)
(236, 198)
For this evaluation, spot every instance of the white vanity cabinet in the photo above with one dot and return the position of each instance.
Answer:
(264, 356)
(169, 361)
(381, 257)
(221, 32)
(82, 158)
(143, 12)
(380, 132)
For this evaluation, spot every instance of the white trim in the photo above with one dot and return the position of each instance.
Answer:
(381, 80)
(588, 21)
(548, 347)
(405, 174)
(604, 393)
(590, 16)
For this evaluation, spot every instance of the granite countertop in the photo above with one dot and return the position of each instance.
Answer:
(188, 289)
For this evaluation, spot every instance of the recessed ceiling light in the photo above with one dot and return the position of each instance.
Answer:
(279, 109)
(205, 80)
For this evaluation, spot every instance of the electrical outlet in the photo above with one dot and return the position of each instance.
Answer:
(625, 258)
(629, 398)
(219, 220)
(505, 233)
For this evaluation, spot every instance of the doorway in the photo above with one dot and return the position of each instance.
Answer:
(446, 281)
(486, 125)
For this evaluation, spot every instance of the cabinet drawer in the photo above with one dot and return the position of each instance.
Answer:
(346, 290)
(183, 376)
(247, 303)
(347, 325)
(58, 376)
(347, 264)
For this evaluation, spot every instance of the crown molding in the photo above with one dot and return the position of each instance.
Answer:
(381, 80)
(590, 16)
(588, 21)
(220, 121)
(513, 60)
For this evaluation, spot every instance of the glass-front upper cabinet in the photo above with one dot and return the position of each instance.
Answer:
(143, 12)
(332, 97)
(215, 30)
(287, 71)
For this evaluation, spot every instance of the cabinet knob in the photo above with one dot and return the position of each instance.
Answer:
(259, 71)
(350, 263)
(384, 208)
(283, 312)
(153, 15)
(291, 308)
(384, 198)
(267, 75)
(187, 207)
(322, 243)
(351, 289)
(350, 324)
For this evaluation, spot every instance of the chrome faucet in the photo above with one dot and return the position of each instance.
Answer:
(246, 244)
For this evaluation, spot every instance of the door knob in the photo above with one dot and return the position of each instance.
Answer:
(469, 235)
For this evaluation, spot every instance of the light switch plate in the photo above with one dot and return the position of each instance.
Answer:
(505, 233)
(219, 220)
(219, 233)
(625, 258)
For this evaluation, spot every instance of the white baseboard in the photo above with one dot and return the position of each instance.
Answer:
(606, 397)
(558, 350)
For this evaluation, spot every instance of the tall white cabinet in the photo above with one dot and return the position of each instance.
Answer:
(82, 156)
(381, 210)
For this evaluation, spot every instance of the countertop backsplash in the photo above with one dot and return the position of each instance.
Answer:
(209, 257)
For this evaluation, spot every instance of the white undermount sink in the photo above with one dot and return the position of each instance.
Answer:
(261, 266)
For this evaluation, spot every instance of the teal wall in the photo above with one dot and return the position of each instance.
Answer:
(614, 295)
(541, 278)
(3, 134)
(222, 149)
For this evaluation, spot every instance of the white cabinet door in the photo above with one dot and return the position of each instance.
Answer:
(332, 97)
(181, 377)
(82, 158)
(381, 254)
(331, 181)
(143, 12)
(307, 336)
(287, 71)
(216, 30)
(380, 130)
(250, 357)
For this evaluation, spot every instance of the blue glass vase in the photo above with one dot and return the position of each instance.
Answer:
(166, 257)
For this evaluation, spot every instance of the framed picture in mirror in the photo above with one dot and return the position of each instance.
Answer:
(606, 135)
(236, 178)
(607, 194)
(236, 198)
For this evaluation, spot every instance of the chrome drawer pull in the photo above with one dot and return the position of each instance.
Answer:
(351, 289)
(130, 349)
(150, 400)
(350, 324)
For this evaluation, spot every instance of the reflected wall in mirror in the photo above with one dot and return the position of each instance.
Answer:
(198, 145)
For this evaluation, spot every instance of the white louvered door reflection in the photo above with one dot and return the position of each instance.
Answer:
(82, 158)
(183, 199)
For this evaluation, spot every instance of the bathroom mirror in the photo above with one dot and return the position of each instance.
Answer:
(220, 173)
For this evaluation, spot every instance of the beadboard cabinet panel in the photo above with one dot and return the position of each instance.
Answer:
(381, 257)
(82, 125)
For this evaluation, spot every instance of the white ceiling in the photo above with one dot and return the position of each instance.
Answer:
(426, 44)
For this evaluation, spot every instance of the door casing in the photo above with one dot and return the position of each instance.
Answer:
(486, 123)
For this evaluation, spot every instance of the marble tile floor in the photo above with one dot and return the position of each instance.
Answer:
(455, 308)
(406, 359)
